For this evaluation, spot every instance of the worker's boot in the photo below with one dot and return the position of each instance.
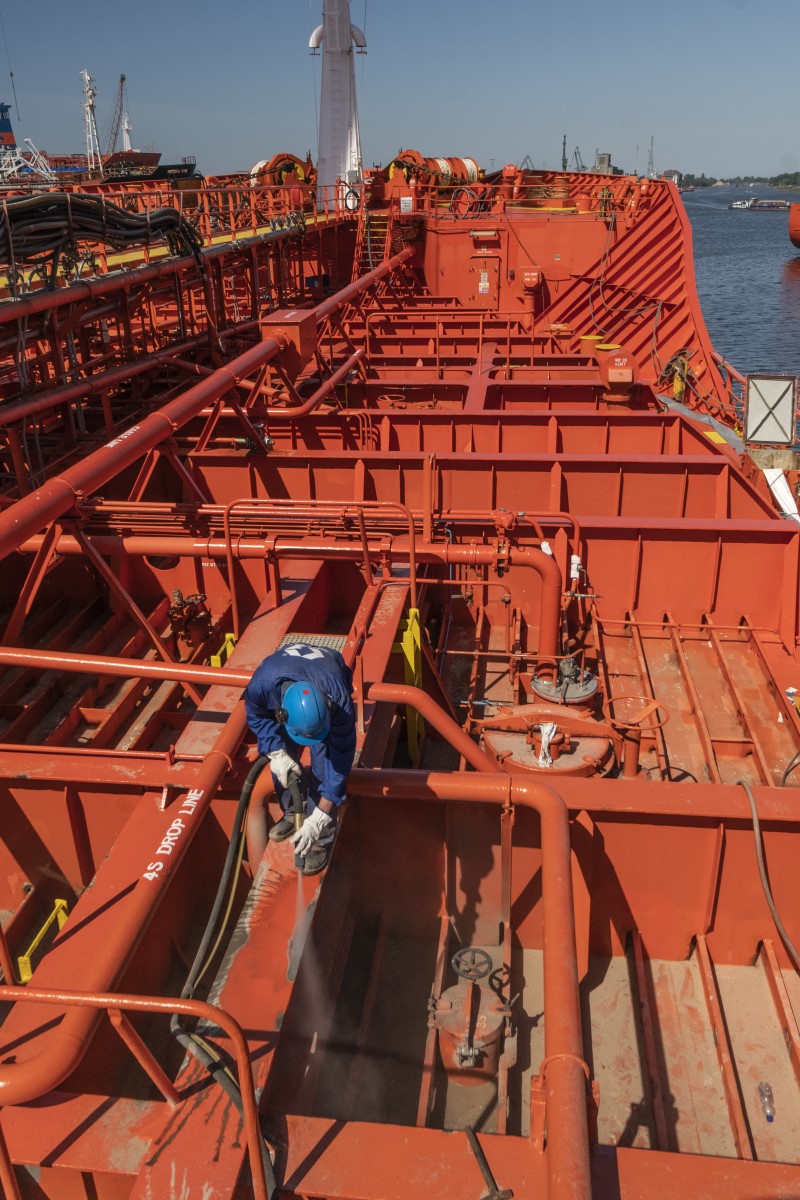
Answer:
(282, 829)
(317, 859)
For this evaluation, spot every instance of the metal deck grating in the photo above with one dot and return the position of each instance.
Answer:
(333, 641)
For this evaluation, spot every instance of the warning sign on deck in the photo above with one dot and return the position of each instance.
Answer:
(769, 415)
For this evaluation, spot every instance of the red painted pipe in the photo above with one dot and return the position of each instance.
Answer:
(318, 547)
(442, 722)
(537, 560)
(563, 1066)
(125, 668)
(325, 389)
(8, 1178)
(198, 1009)
(17, 410)
(60, 493)
(101, 286)
(353, 290)
(119, 933)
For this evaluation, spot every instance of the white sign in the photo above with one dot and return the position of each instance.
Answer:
(770, 409)
(406, 204)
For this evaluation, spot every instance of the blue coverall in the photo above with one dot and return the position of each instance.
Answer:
(331, 759)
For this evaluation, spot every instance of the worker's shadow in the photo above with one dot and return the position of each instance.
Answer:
(473, 856)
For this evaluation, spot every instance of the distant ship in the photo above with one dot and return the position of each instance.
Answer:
(761, 205)
(26, 164)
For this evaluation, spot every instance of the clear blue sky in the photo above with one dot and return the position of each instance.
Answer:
(715, 81)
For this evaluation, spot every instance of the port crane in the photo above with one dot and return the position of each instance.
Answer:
(577, 161)
(117, 121)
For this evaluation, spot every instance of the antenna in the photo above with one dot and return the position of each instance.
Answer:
(564, 161)
(94, 159)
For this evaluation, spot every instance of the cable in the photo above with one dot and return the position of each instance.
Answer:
(762, 870)
(789, 768)
(36, 226)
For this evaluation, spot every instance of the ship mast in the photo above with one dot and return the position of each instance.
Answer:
(126, 133)
(339, 154)
(94, 159)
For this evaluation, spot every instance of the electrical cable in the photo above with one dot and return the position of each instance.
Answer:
(762, 871)
(48, 224)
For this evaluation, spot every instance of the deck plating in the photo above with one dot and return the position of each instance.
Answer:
(464, 431)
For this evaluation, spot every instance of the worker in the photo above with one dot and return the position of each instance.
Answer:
(301, 696)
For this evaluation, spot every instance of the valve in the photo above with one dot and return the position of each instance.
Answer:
(471, 964)
(470, 1020)
(189, 619)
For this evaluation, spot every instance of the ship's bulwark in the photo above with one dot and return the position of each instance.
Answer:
(471, 432)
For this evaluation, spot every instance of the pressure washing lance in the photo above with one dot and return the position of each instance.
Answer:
(294, 782)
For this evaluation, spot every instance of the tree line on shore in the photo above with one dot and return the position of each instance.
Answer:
(789, 179)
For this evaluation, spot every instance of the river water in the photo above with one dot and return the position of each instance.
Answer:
(748, 279)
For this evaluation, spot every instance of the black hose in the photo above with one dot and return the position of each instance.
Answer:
(790, 766)
(762, 870)
(237, 833)
(192, 1042)
(33, 227)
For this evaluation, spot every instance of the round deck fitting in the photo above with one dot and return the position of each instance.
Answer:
(570, 691)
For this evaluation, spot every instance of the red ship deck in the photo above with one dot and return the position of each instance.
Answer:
(406, 437)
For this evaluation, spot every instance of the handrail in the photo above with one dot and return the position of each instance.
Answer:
(125, 1002)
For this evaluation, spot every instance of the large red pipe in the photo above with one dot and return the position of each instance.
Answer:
(563, 1066)
(59, 494)
(319, 547)
(325, 389)
(17, 410)
(25, 1079)
(442, 722)
(123, 668)
(102, 286)
(197, 1009)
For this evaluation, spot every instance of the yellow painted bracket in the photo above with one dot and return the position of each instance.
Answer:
(223, 654)
(60, 913)
(411, 647)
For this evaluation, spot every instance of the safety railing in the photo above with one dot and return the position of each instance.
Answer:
(116, 1005)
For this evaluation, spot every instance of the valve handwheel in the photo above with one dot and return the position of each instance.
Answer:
(649, 708)
(471, 964)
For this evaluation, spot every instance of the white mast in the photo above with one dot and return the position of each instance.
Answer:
(94, 159)
(339, 137)
(126, 132)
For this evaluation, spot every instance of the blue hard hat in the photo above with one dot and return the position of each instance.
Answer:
(307, 718)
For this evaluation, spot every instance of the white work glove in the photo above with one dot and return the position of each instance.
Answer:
(283, 767)
(312, 829)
